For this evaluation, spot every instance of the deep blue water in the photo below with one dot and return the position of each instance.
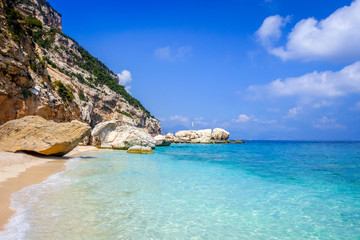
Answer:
(257, 190)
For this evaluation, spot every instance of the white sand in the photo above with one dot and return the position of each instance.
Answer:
(19, 170)
(12, 164)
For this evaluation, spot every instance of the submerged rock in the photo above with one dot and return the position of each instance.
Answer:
(140, 150)
(35, 134)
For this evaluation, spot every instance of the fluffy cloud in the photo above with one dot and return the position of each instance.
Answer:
(243, 118)
(124, 79)
(171, 55)
(336, 37)
(270, 30)
(293, 112)
(314, 85)
(179, 118)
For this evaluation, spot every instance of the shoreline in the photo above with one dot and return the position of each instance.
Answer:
(20, 170)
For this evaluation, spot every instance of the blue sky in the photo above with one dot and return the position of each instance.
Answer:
(261, 69)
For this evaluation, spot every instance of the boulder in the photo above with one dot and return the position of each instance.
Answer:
(124, 137)
(161, 141)
(199, 136)
(220, 134)
(100, 131)
(169, 136)
(186, 134)
(140, 150)
(86, 139)
(35, 134)
(205, 134)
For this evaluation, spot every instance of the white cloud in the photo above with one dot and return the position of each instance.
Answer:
(163, 53)
(243, 118)
(171, 55)
(336, 37)
(314, 85)
(328, 123)
(128, 89)
(273, 110)
(270, 30)
(124, 79)
(179, 118)
(266, 122)
(323, 103)
(293, 112)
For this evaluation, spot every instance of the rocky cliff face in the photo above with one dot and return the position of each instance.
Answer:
(44, 72)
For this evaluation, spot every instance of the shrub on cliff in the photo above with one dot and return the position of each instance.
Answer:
(64, 92)
(33, 22)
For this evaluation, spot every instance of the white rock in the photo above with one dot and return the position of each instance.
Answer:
(169, 136)
(162, 141)
(100, 131)
(123, 137)
(220, 134)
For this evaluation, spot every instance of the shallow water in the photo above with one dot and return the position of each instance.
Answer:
(258, 190)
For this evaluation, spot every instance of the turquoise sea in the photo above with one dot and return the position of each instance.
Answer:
(257, 190)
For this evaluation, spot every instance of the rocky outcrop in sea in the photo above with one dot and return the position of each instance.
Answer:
(216, 135)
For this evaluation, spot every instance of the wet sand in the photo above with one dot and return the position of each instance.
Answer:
(19, 170)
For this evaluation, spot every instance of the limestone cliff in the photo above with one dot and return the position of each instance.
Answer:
(44, 72)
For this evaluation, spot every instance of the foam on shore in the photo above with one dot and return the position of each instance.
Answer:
(22, 201)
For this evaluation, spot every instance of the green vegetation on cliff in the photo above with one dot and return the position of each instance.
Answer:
(21, 26)
(104, 76)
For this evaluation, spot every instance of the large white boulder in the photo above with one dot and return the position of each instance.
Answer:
(162, 141)
(124, 137)
(220, 134)
(100, 131)
(200, 136)
(186, 134)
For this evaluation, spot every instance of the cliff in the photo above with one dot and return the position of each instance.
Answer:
(44, 72)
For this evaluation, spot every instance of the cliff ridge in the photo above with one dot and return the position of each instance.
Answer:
(45, 72)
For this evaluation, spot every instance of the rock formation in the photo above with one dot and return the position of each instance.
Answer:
(216, 135)
(220, 134)
(113, 134)
(44, 72)
(35, 134)
(140, 150)
(161, 141)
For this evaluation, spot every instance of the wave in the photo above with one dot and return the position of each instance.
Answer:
(24, 200)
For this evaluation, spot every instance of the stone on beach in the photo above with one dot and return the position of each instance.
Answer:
(100, 131)
(35, 134)
(140, 150)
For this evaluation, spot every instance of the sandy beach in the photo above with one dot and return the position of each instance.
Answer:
(19, 170)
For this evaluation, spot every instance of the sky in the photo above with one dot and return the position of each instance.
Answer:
(261, 69)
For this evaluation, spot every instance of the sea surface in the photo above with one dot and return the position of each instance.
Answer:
(257, 190)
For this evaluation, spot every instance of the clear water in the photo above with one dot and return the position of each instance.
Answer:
(258, 190)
